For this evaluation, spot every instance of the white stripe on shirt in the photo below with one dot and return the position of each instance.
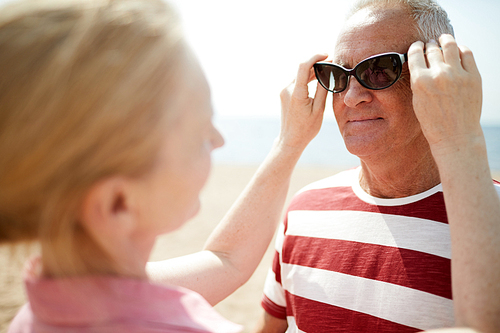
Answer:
(373, 228)
(401, 305)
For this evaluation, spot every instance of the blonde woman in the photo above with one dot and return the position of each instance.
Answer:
(105, 143)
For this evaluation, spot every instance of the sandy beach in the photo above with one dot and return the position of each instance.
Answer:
(222, 189)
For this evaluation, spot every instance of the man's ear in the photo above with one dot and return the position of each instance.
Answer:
(107, 208)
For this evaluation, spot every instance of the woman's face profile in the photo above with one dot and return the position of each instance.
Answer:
(172, 188)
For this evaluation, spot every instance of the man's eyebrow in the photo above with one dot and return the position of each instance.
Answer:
(341, 63)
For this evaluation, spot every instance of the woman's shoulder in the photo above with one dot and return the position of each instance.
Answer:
(101, 304)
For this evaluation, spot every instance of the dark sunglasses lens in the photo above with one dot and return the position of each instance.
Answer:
(331, 77)
(379, 72)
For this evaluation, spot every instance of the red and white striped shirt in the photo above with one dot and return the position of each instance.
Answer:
(350, 262)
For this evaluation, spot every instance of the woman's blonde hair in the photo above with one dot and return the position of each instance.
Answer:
(83, 87)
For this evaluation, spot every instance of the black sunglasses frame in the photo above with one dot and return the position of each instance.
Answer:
(400, 58)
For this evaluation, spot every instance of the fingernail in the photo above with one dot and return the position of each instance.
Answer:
(433, 41)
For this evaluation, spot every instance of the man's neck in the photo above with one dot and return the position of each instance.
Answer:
(399, 176)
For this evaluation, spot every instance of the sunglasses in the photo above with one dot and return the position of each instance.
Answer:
(377, 72)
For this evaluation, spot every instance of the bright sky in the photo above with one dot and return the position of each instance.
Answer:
(250, 50)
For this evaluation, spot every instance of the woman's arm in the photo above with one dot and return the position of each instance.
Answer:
(447, 97)
(236, 246)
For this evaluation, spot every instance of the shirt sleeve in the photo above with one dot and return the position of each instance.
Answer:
(273, 300)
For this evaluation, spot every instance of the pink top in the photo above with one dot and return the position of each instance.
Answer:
(114, 304)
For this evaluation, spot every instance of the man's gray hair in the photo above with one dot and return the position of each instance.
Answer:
(431, 19)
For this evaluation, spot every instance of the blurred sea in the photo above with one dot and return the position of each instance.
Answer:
(248, 141)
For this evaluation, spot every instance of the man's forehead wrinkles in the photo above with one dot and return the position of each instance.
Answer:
(349, 47)
(345, 57)
(343, 63)
(344, 52)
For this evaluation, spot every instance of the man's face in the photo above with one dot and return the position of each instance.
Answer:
(376, 123)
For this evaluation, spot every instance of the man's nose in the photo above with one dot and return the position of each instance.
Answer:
(355, 93)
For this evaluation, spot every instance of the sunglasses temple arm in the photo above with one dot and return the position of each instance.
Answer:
(404, 57)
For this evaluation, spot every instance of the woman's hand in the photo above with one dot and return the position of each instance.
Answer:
(301, 115)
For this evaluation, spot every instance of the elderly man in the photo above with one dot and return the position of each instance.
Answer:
(370, 249)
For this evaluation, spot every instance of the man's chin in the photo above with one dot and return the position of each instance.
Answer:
(361, 147)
